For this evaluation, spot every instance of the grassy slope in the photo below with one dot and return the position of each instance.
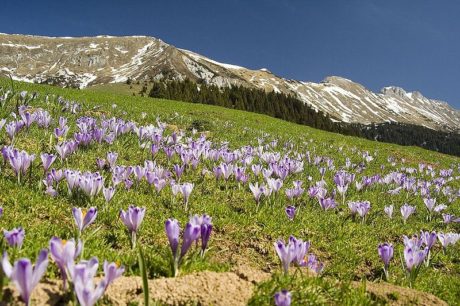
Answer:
(347, 247)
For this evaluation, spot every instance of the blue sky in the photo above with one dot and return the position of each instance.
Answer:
(414, 44)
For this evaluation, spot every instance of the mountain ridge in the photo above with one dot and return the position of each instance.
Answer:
(85, 61)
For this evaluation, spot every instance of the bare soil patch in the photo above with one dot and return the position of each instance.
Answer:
(395, 295)
(203, 288)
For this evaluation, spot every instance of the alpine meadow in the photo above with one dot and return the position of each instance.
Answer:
(265, 153)
(190, 203)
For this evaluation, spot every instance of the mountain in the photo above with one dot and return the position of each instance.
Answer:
(85, 61)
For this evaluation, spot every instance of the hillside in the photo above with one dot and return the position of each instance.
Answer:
(150, 146)
(86, 61)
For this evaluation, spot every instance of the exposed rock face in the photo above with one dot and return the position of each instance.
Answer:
(86, 61)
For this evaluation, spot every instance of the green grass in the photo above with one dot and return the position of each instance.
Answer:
(347, 247)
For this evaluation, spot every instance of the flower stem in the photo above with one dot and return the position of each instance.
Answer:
(143, 271)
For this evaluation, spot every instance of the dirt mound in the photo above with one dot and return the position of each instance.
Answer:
(395, 295)
(204, 288)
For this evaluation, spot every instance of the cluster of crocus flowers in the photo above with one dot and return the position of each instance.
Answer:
(447, 239)
(20, 161)
(295, 192)
(448, 218)
(430, 204)
(198, 227)
(327, 203)
(89, 183)
(361, 208)
(65, 148)
(342, 179)
(414, 255)
(417, 249)
(295, 251)
(83, 274)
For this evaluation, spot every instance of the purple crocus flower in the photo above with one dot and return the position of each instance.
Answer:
(406, 211)
(20, 161)
(169, 151)
(27, 118)
(314, 265)
(363, 208)
(327, 203)
(283, 298)
(256, 191)
(353, 207)
(256, 169)
(12, 128)
(240, 175)
(139, 172)
(290, 212)
(342, 179)
(192, 232)
(154, 148)
(108, 193)
(57, 175)
(448, 239)
(300, 249)
(227, 170)
(128, 184)
(100, 163)
(159, 184)
(83, 280)
(112, 271)
(1, 212)
(429, 203)
(429, 239)
(47, 160)
(450, 218)
(132, 218)
(412, 242)
(23, 275)
(172, 232)
(186, 190)
(389, 211)
(206, 229)
(83, 218)
(15, 237)
(385, 251)
(275, 184)
(64, 253)
(217, 172)
(414, 257)
(286, 253)
(178, 170)
(112, 158)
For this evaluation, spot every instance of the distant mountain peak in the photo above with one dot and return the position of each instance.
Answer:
(85, 61)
